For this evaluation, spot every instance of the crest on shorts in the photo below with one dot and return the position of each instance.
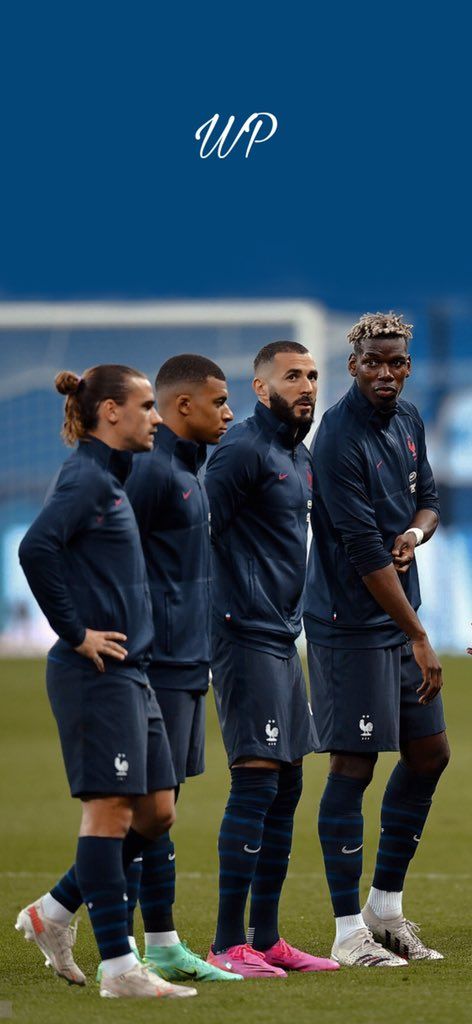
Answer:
(366, 727)
(272, 732)
(121, 765)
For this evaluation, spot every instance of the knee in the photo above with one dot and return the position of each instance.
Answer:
(432, 759)
(159, 824)
(108, 817)
(354, 766)
(167, 820)
(442, 758)
(153, 817)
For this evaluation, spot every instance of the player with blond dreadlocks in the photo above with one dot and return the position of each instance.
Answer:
(374, 675)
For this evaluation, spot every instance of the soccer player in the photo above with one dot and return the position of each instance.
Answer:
(83, 560)
(375, 678)
(172, 511)
(259, 483)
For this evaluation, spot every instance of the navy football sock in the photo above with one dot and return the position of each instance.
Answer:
(66, 891)
(272, 863)
(340, 828)
(253, 791)
(157, 890)
(102, 882)
(133, 882)
(405, 807)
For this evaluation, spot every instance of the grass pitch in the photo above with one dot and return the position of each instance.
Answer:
(39, 825)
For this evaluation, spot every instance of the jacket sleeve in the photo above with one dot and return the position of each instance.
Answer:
(231, 474)
(341, 485)
(64, 514)
(427, 495)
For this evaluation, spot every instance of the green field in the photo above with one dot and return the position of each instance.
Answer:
(39, 824)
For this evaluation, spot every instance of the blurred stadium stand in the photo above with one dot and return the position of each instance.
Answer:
(37, 340)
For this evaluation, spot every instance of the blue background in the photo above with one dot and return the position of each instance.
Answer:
(361, 199)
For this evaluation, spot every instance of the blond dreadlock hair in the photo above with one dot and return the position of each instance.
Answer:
(379, 325)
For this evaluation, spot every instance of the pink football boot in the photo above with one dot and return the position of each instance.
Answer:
(247, 961)
(291, 959)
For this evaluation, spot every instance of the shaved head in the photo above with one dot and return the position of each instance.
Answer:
(184, 372)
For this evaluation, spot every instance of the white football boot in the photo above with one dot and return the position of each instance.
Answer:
(399, 935)
(360, 950)
(53, 939)
(141, 983)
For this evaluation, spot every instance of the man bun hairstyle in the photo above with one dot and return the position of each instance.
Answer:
(85, 393)
(268, 353)
(379, 325)
(187, 369)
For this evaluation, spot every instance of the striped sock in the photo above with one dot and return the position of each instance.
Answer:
(133, 882)
(66, 890)
(272, 863)
(157, 890)
(253, 791)
(102, 881)
(405, 807)
(340, 828)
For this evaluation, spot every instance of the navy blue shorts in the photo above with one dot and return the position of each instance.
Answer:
(112, 732)
(262, 704)
(184, 716)
(365, 701)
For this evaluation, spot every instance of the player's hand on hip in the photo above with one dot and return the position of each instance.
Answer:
(403, 551)
(95, 644)
(432, 672)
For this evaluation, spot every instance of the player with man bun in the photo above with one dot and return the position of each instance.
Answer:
(83, 560)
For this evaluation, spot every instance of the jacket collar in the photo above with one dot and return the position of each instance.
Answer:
(365, 411)
(116, 462)
(272, 426)
(189, 452)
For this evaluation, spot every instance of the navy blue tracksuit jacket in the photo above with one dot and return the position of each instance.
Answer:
(172, 511)
(83, 559)
(371, 475)
(260, 488)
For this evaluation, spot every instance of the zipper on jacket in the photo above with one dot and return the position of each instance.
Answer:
(392, 441)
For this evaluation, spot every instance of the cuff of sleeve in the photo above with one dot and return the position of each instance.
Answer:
(429, 508)
(372, 565)
(74, 637)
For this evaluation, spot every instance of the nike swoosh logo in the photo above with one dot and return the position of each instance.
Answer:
(187, 974)
(355, 850)
(186, 494)
(417, 838)
(283, 476)
(248, 850)
(171, 856)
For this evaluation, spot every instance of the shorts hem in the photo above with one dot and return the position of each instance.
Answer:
(268, 755)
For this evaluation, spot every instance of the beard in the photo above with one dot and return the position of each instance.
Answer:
(300, 425)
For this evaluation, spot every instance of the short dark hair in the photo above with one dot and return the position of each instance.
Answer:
(187, 368)
(85, 393)
(379, 325)
(268, 353)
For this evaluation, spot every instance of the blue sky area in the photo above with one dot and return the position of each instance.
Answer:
(361, 198)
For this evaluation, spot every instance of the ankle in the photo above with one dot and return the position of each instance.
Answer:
(385, 904)
(345, 926)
